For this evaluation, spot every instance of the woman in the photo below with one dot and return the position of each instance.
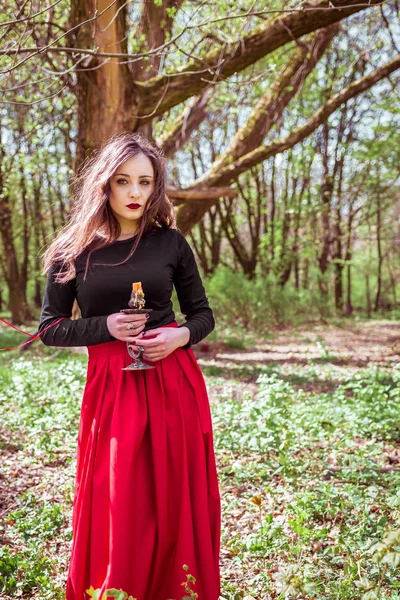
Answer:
(146, 496)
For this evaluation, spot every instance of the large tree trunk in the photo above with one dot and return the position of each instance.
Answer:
(110, 92)
(106, 95)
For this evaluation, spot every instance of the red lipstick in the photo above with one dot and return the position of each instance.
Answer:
(133, 206)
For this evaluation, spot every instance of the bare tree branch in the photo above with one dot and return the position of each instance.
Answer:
(245, 51)
(57, 93)
(269, 109)
(186, 122)
(37, 51)
(155, 26)
(29, 17)
(349, 92)
(197, 194)
(190, 214)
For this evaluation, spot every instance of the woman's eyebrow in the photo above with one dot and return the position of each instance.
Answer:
(126, 175)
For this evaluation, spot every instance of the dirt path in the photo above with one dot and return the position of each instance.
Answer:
(336, 351)
(353, 344)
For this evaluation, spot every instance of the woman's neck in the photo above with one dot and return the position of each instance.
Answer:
(125, 236)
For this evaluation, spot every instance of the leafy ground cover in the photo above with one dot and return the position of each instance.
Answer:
(307, 436)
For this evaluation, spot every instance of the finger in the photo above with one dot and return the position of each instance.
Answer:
(153, 332)
(149, 342)
(134, 326)
(152, 358)
(131, 337)
(154, 353)
(133, 319)
(132, 334)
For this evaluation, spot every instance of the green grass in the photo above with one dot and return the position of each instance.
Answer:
(317, 470)
(310, 480)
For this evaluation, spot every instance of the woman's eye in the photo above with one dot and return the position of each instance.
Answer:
(122, 181)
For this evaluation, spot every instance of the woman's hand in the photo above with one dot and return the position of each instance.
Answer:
(117, 322)
(160, 342)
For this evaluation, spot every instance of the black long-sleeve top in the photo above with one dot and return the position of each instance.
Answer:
(163, 259)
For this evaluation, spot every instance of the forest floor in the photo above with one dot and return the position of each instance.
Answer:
(307, 440)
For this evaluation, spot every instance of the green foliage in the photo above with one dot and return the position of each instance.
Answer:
(36, 519)
(43, 406)
(310, 500)
(25, 572)
(365, 405)
(386, 554)
(256, 305)
(110, 593)
(314, 465)
(121, 595)
(9, 337)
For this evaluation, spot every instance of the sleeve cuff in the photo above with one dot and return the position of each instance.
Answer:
(106, 335)
(188, 345)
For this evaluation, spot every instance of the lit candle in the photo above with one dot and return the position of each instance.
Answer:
(137, 297)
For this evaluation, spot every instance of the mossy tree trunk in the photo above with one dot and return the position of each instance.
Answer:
(118, 94)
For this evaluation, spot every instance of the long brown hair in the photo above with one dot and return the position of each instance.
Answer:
(91, 213)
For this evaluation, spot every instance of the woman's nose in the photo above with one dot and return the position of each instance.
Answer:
(134, 191)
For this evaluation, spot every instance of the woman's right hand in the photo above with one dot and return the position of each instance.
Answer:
(117, 322)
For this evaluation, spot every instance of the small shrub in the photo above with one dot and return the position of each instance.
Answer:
(259, 303)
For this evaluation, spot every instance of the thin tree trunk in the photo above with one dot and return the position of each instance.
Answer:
(272, 214)
(367, 277)
(14, 276)
(323, 258)
(305, 274)
(37, 234)
(348, 308)
(26, 229)
(392, 283)
(368, 295)
(338, 264)
(380, 254)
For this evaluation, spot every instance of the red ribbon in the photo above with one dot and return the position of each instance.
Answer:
(32, 337)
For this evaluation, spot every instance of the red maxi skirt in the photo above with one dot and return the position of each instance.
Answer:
(146, 498)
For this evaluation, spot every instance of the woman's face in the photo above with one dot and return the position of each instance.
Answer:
(131, 186)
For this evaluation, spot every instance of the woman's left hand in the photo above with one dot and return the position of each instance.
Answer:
(160, 342)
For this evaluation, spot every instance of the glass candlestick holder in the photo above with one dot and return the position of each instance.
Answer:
(136, 352)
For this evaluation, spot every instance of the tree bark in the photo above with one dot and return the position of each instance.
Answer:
(187, 122)
(105, 91)
(208, 246)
